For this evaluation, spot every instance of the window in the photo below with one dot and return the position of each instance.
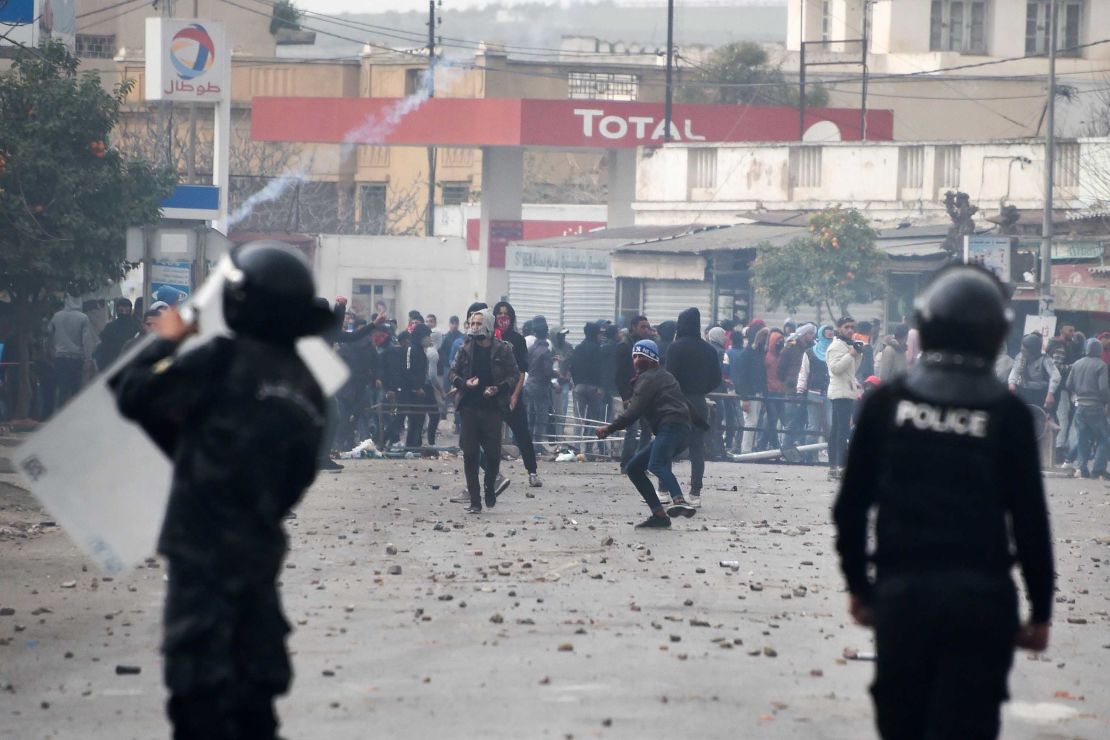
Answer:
(805, 166)
(371, 297)
(414, 81)
(702, 169)
(1067, 165)
(631, 302)
(911, 167)
(95, 46)
(1037, 27)
(602, 86)
(958, 25)
(826, 20)
(455, 193)
(947, 167)
(372, 208)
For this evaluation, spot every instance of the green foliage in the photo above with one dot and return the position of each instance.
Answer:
(835, 265)
(739, 74)
(286, 15)
(66, 196)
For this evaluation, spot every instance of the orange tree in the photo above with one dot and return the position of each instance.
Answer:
(66, 195)
(835, 265)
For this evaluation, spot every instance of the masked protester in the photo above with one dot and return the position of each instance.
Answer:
(243, 420)
(485, 375)
(957, 496)
(516, 415)
(658, 398)
(695, 366)
(1035, 377)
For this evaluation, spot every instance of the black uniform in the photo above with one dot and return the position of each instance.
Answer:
(949, 459)
(242, 420)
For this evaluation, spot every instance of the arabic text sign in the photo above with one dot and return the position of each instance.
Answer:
(187, 60)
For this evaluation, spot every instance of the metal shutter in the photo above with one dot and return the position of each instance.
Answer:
(665, 299)
(536, 294)
(587, 298)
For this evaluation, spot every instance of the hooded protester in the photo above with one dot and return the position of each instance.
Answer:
(773, 400)
(721, 413)
(956, 500)
(813, 384)
(892, 359)
(694, 364)
(485, 375)
(666, 331)
(433, 390)
(243, 420)
(538, 388)
(1035, 377)
(658, 398)
(112, 338)
(585, 370)
(516, 415)
(72, 342)
(1088, 384)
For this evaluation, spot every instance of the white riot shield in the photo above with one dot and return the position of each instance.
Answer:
(99, 475)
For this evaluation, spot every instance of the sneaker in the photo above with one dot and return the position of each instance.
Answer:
(491, 499)
(462, 498)
(679, 507)
(332, 465)
(534, 481)
(654, 522)
(473, 509)
(694, 500)
(665, 500)
(501, 484)
(1067, 465)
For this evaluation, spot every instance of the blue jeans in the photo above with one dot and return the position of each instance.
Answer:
(1091, 423)
(656, 459)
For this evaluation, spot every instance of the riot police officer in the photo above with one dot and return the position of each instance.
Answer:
(243, 420)
(948, 458)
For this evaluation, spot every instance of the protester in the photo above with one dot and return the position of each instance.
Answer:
(1034, 377)
(637, 436)
(864, 333)
(658, 398)
(958, 497)
(71, 343)
(734, 433)
(414, 376)
(750, 383)
(719, 411)
(485, 375)
(516, 416)
(665, 330)
(843, 357)
(892, 358)
(445, 347)
(243, 420)
(542, 377)
(586, 373)
(1087, 384)
(695, 366)
(118, 331)
(433, 389)
(773, 406)
(813, 385)
(610, 338)
(564, 389)
(796, 412)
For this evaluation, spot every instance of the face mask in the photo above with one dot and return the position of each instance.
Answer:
(503, 322)
(482, 330)
(379, 338)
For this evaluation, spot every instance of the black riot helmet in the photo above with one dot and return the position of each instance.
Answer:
(270, 294)
(964, 311)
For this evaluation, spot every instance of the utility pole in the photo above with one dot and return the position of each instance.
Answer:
(669, 100)
(191, 159)
(802, 71)
(1049, 167)
(430, 211)
(863, 94)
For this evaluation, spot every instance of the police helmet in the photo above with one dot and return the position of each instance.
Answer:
(270, 294)
(964, 310)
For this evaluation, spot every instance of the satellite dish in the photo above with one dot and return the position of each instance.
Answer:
(822, 131)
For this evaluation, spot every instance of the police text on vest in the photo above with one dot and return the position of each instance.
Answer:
(934, 419)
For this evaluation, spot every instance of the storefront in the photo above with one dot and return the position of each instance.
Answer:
(565, 280)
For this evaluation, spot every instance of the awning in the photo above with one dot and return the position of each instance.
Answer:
(658, 266)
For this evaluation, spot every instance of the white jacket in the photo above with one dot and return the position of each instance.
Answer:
(842, 370)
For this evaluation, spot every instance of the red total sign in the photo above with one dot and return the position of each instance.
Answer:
(539, 123)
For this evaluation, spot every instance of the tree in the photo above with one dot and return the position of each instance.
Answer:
(739, 74)
(285, 15)
(836, 265)
(67, 196)
(962, 214)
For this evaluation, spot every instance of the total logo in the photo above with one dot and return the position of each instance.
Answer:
(642, 127)
(192, 51)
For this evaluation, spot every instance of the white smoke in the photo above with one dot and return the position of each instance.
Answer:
(373, 130)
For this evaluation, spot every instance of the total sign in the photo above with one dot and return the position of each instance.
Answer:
(187, 59)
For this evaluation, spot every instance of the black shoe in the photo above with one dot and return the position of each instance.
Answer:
(1083, 473)
(330, 464)
(679, 507)
(491, 500)
(654, 522)
(474, 509)
(500, 486)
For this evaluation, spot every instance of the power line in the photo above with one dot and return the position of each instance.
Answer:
(106, 8)
(100, 21)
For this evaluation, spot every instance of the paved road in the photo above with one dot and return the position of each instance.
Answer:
(548, 617)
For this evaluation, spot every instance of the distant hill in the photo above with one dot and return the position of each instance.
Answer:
(538, 28)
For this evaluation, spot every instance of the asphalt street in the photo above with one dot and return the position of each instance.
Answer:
(547, 617)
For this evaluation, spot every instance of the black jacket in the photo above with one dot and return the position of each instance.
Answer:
(691, 359)
(503, 366)
(751, 377)
(414, 367)
(607, 356)
(624, 369)
(949, 459)
(112, 339)
(541, 364)
(243, 421)
(585, 363)
(657, 398)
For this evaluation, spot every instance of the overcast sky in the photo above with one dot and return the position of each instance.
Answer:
(379, 6)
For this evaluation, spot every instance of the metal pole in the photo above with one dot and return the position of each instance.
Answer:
(670, 64)
(430, 214)
(802, 92)
(1049, 168)
(863, 92)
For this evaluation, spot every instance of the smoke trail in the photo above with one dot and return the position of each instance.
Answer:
(371, 131)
